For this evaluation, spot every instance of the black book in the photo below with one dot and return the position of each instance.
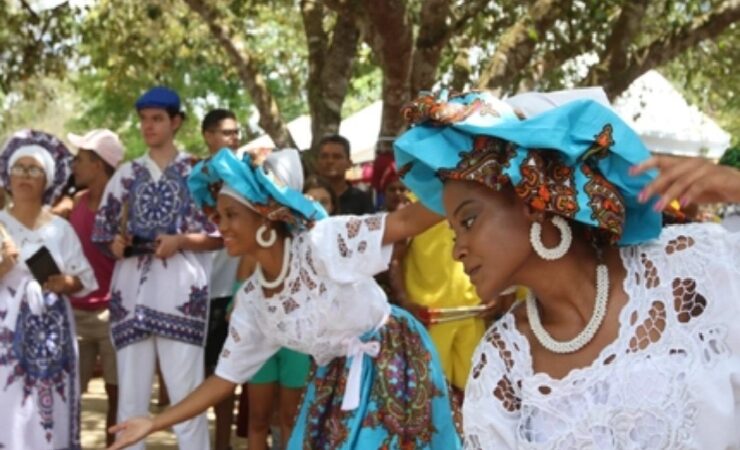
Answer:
(42, 265)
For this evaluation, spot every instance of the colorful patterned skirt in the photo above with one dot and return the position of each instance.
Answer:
(404, 401)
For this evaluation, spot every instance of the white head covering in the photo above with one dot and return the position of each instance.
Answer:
(534, 103)
(285, 166)
(226, 190)
(41, 155)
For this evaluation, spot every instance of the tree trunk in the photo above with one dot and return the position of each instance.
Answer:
(389, 33)
(270, 118)
(433, 36)
(330, 67)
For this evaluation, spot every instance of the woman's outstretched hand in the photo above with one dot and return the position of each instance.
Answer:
(131, 431)
(688, 180)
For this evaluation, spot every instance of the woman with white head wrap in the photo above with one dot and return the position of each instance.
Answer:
(38, 358)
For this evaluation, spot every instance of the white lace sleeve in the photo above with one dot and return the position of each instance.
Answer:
(246, 348)
(349, 248)
(492, 400)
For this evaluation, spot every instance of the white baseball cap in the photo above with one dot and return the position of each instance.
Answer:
(103, 142)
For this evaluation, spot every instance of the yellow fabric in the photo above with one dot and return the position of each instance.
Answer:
(455, 342)
(432, 277)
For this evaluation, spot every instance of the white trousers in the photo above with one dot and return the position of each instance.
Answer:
(182, 370)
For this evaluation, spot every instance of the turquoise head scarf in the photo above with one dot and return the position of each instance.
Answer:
(272, 187)
(572, 160)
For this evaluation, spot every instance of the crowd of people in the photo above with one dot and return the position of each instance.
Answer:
(513, 283)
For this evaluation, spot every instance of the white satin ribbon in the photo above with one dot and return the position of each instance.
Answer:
(356, 349)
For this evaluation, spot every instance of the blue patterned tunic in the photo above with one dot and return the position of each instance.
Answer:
(151, 296)
(39, 385)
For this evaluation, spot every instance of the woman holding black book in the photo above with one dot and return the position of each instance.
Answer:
(42, 263)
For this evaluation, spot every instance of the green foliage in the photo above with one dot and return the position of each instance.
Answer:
(731, 158)
(33, 44)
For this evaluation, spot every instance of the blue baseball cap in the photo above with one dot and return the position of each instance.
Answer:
(159, 97)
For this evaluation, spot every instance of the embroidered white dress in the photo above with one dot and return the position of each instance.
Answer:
(328, 301)
(151, 296)
(671, 380)
(39, 382)
(379, 383)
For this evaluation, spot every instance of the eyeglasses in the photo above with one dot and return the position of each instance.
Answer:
(228, 132)
(27, 171)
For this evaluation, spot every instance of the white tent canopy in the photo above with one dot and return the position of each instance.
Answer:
(666, 122)
(361, 128)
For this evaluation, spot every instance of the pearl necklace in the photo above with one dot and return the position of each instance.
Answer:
(283, 270)
(588, 333)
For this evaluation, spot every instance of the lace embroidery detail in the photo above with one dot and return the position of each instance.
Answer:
(679, 244)
(343, 249)
(234, 335)
(353, 227)
(362, 246)
(687, 302)
(373, 223)
(307, 279)
(651, 328)
(504, 392)
(290, 305)
(652, 280)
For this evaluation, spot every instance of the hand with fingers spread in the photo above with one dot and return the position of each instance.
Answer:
(688, 180)
(131, 431)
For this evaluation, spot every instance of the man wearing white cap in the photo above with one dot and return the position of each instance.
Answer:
(99, 153)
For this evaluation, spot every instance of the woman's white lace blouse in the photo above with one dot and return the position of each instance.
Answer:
(671, 380)
(328, 299)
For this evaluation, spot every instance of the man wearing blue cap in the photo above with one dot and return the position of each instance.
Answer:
(159, 290)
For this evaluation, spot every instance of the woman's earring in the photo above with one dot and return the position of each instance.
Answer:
(557, 252)
(261, 239)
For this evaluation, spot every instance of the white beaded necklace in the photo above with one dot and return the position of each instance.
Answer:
(283, 270)
(588, 333)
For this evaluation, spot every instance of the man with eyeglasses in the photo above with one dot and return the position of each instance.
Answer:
(220, 130)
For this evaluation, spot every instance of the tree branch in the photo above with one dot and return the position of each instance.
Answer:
(615, 56)
(249, 74)
(434, 33)
(517, 44)
(667, 47)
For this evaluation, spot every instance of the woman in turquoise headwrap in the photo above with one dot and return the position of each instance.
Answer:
(628, 337)
(378, 381)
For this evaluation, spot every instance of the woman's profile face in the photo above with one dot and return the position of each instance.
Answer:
(27, 179)
(491, 234)
(238, 225)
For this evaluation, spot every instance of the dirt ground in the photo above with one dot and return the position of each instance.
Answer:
(94, 405)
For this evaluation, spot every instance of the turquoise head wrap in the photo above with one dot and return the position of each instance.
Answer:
(272, 187)
(572, 160)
